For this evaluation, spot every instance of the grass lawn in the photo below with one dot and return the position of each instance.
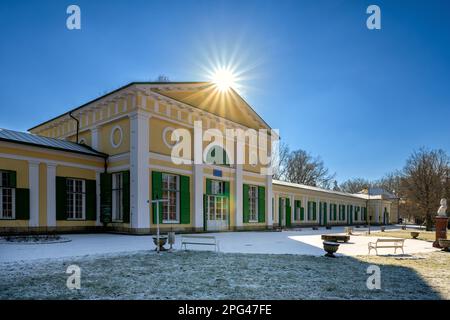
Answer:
(208, 275)
(406, 234)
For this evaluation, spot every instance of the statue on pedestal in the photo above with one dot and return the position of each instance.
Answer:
(442, 211)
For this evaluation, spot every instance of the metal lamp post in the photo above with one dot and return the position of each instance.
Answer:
(158, 201)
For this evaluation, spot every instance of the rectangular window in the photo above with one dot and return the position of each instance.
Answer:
(297, 213)
(117, 196)
(217, 187)
(76, 199)
(7, 196)
(253, 203)
(171, 192)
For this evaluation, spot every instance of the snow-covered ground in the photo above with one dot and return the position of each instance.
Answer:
(304, 242)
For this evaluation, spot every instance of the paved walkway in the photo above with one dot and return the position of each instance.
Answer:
(306, 242)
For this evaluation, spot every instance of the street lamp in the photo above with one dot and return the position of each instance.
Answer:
(158, 201)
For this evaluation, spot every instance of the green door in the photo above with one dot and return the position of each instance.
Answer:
(288, 212)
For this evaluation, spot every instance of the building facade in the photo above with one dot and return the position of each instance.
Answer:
(102, 165)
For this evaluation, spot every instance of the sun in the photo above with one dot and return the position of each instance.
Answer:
(224, 79)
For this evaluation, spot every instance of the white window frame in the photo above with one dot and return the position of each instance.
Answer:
(298, 213)
(253, 207)
(177, 194)
(217, 187)
(13, 199)
(117, 191)
(70, 215)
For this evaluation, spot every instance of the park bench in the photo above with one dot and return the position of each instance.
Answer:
(199, 240)
(335, 237)
(387, 243)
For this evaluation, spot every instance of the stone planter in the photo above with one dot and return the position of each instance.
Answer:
(328, 227)
(162, 242)
(444, 244)
(415, 234)
(330, 248)
(383, 229)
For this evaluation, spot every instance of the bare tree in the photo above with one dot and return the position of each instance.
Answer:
(279, 160)
(426, 181)
(302, 168)
(162, 78)
(355, 185)
(392, 182)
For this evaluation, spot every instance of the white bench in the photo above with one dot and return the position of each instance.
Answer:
(199, 240)
(387, 243)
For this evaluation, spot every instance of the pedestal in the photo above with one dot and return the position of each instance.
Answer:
(441, 230)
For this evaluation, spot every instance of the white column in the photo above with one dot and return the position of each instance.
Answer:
(305, 207)
(377, 213)
(97, 191)
(95, 138)
(269, 195)
(238, 196)
(198, 175)
(318, 211)
(51, 195)
(291, 199)
(329, 213)
(33, 176)
(139, 170)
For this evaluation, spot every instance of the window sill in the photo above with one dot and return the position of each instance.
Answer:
(76, 219)
(8, 219)
(253, 221)
(116, 221)
(170, 222)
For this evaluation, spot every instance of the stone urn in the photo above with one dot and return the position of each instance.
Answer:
(162, 242)
(415, 234)
(444, 244)
(383, 229)
(330, 248)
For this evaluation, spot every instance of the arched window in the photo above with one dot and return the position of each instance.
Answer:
(217, 155)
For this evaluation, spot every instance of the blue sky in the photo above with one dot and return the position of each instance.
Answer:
(361, 99)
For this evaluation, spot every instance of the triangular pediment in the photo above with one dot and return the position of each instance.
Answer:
(227, 104)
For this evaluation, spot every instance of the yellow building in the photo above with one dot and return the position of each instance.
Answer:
(100, 166)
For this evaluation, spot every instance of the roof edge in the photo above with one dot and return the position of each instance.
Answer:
(112, 92)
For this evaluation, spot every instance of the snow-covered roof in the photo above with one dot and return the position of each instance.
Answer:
(306, 187)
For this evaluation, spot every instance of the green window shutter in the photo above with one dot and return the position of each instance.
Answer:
(91, 200)
(185, 200)
(335, 212)
(302, 213)
(61, 198)
(105, 197)
(288, 212)
(227, 189)
(126, 196)
(245, 204)
(156, 193)
(261, 204)
(324, 213)
(227, 194)
(12, 177)
(208, 186)
(314, 205)
(22, 204)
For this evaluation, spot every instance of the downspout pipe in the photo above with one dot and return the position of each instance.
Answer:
(78, 124)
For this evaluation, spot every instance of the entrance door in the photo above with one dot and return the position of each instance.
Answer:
(216, 213)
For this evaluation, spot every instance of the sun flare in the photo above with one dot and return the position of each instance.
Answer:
(224, 79)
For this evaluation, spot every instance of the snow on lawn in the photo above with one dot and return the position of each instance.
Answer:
(304, 242)
(209, 275)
